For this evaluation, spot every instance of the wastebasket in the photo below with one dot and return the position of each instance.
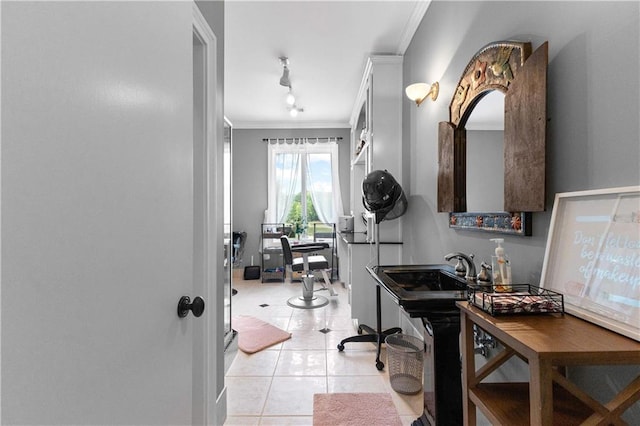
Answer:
(405, 358)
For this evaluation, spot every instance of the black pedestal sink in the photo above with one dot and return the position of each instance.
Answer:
(422, 289)
(430, 292)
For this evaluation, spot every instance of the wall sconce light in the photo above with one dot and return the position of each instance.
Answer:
(418, 92)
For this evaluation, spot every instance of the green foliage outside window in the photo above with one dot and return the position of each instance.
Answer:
(295, 214)
(296, 219)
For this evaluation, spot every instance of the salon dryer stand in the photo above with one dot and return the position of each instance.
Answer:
(376, 336)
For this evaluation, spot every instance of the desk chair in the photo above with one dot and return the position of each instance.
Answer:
(307, 265)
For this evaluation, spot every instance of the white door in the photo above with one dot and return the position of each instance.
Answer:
(97, 213)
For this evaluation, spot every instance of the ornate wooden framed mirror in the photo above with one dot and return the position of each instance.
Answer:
(510, 68)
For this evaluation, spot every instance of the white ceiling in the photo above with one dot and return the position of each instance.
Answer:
(327, 43)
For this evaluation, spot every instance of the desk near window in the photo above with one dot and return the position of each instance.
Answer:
(547, 342)
(271, 247)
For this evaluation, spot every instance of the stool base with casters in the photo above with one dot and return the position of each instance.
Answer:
(376, 336)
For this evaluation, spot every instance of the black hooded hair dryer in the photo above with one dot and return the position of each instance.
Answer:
(383, 196)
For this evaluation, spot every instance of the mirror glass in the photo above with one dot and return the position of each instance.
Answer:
(485, 154)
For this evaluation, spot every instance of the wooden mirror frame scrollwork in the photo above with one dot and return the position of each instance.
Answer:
(507, 66)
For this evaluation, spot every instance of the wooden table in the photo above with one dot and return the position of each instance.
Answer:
(548, 343)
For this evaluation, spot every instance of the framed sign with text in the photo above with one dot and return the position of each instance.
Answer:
(593, 256)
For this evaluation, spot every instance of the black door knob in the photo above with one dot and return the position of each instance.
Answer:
(185, 305)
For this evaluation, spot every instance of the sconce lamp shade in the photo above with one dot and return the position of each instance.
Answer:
(418, 92)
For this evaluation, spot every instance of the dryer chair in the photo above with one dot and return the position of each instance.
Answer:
(307, 264)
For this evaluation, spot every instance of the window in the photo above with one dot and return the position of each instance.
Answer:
(303, 183)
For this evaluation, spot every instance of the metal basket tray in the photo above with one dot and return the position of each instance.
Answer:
(523, 299)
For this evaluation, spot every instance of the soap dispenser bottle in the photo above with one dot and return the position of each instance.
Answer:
(501, 268)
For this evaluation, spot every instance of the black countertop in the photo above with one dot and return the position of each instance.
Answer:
(360, 238)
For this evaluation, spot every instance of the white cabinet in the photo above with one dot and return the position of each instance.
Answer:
(376, 144)
(376, 134)
(363, 287)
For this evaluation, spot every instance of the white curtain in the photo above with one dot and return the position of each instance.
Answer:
(286, 161)
(327, 199)
(283, 181)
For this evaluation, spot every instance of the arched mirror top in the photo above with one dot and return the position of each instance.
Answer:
(493, 67)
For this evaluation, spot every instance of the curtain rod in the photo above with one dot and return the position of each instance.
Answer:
(302, 140)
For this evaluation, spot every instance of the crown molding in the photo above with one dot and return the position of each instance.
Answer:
(412, 26)
(290, 125)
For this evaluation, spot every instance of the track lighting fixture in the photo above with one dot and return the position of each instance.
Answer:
(294, 110)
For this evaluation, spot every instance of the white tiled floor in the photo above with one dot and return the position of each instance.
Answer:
(276, 386)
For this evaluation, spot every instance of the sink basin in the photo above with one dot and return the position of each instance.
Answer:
(422, 289)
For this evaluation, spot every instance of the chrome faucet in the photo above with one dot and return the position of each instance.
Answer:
(471, 267)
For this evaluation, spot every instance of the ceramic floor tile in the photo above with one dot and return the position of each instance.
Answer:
(261, 363)
(286, 421)
(293, 395)
(302, 363)
(340, 384)
(276, 386)
(280, 322)
(407, 404)
(308, 313)
(336, 337)
(339, 322)
(338, 309)
(258, 310)
(352, 363)
(242, 421)
(246, 396)
(305, 339)
(307, 323)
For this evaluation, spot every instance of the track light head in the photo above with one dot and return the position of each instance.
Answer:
(291, 100)
(284, 80)
(295, 110)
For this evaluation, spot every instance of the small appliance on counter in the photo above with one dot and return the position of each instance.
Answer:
(345, 224)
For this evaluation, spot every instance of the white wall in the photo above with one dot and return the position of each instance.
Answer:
(593, 133)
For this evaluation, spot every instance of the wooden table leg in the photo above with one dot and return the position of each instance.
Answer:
(540, 392)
